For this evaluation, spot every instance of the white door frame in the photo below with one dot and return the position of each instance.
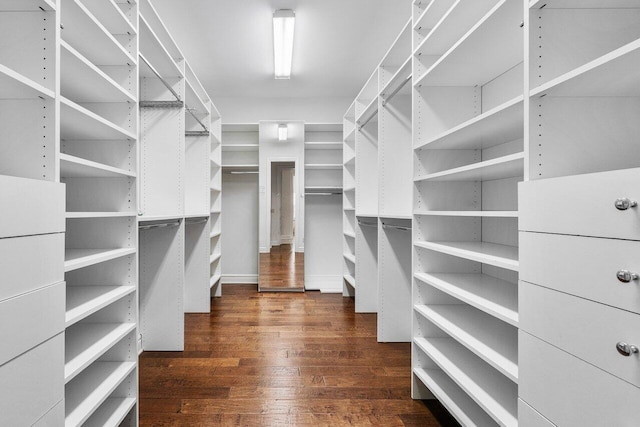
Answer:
(270, 161)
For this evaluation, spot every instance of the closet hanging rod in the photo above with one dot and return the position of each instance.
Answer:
(164, 82)
(335, 193)
(197, 221)
(163, 225)
(364, 123)
(190, 111)
(396, 227)
(396, 90)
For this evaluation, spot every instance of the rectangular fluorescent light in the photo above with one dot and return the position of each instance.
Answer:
(283, 26)
(283, 132)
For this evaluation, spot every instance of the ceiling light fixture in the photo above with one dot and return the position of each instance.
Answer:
(283, 133)
(283, 26)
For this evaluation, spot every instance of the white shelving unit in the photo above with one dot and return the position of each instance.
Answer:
(349, 201)
(469, 155)
(98, 164)
(323, 207)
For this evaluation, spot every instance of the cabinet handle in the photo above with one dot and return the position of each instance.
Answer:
(622, 204)
(626, 349)
(626, 276)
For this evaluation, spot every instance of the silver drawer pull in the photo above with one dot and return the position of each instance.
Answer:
(626, 349)
(626, 276)
(622, 204)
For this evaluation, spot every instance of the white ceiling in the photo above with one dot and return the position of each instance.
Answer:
(337, 43)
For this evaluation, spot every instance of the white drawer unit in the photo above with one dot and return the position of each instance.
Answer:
(37, 207)
(582, 266)
(570, 392)
(593, 332)
(601, 204)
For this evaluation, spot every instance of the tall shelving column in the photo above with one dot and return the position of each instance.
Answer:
(198, 194)
(349, 201)
(323, 207)
(366, 147)
(32, 226)
(215, 222)
(579, 234)
(468, 131)
(98, 163)
(162, 185)
(395, 154)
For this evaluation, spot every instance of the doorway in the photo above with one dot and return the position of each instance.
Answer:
(282, 268)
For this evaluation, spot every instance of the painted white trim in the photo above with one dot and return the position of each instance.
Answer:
(324, 284)
(235, 279)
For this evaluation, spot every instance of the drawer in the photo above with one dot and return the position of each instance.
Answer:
(570, 392)
(582, 266)
(30, 319)
(37, 207)
(529, 417)
(53, 418)
(582, 205)
(583, 328)
(29, 263)
(32, 384)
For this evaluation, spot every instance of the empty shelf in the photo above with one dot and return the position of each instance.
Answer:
(83, 301)
(350, 280)
(79, 258)
(398, 82)
(75, 215)
(323, 166)
(86, 342)
(155, 53)
(497, 396)
(457, 402)
(350, 234)
(149, 218)
(30, 5)
(349, 136)
(500, 168)
(239, 147)
(110, 15)
(91, 388)
(112, 412)
(502, 256)
(77, 123)
(323, 145)
(214, 257)
(81, 81)
(493, 341)
(193, 100)
(76, 167)
(496, 297)
(501, 124)
(605, 76)
(350, 258)
(478, 214)
(350, 161)
(16, 86)
(215, 234)
(214, 280)
(369, 112)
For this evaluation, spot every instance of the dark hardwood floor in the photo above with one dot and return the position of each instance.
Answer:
(282, 269)
(282, 359)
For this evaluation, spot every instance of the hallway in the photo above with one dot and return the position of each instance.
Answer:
(282, 359)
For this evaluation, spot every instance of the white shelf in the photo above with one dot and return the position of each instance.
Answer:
(76, 215)
(499, 168)
(323, 145)
(502, 256)
(16, 86)
(214, 257)
(493, 46)
(499, 125)
(154, 52)
(86, 34)
(398, 80)
(78, 123)
(349, 209)
(350, 161)
(370, 111)
(350, 280)
(83, 301)
(474, 214)
(214, 234)
(150, 218)
(86, 342)
(216, 189)
(583, 4)
(110, 15)
(193, 100)
(91, 388)
(246, 166)
(28, 5)
(79, 258)
(214, 279)
(240, 147)
(498, 397)
(350, 258)
(452, 397)
(112, 412)
(431, 14)
(349, 137)
(350, 234)
(493, 341)
(605, 76)
(495, 297)
(323, 166)
(75, 167)
(82, 81)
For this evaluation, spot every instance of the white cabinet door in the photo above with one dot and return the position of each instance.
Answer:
(582, 205)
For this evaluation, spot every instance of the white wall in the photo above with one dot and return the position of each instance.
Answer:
(311, 110)
(240, 228)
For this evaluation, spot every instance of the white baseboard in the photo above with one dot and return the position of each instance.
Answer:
(324, 284)
(234, 279)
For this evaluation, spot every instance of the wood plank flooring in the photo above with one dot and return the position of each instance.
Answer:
(282, 269)
(282, 359)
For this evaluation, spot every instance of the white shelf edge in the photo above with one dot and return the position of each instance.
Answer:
(369, 111)
(94, 256)
(405, 68)
(479, 166)
(350, 234)
(350, 280)
(96, 118)
(91, 165)
(112, 411)
(475, 214)
(109, 296)
(214, 279)
(350, 258)
(454, 249)
(27, 82)
(214, 257)
(76, 215)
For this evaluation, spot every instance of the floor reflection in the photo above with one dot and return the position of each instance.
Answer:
(282, 269)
